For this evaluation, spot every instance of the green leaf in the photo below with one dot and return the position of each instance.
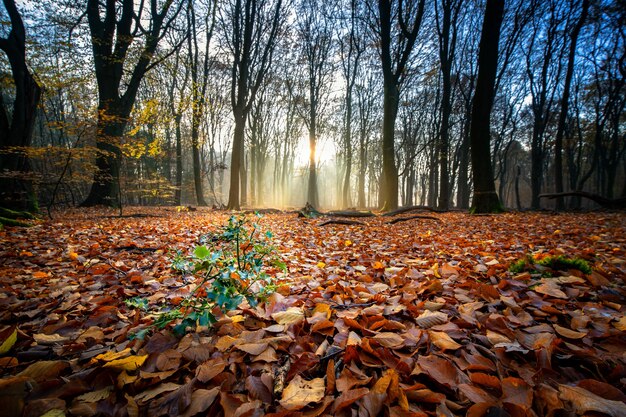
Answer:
(201, 252)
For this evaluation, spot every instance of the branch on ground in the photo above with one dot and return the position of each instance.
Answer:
(617, 203)
(403, 219)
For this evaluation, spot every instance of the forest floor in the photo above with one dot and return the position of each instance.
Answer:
(418, 318)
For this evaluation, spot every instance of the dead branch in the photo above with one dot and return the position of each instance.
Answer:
(350, 213)
(403, 219)
(341, 221)
(403, 210)
(617, 203)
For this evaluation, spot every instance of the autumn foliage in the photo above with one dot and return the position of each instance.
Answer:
(417, 318)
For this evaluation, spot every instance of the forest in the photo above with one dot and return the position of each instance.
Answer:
(343, 104)
(302, 208)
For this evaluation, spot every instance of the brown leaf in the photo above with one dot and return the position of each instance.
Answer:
(210, 369)
(584, 401)
(260, 387)
(602, 389)
(44, 370)
(300, 392)
(201, 400)
(429, 319)
(172, 404)
(442, 340)
(348, 398)
(168, 360)
(569, 333)
(516, 391)
(388, 339)
(440, 369)
(292, 315)
(485, 380)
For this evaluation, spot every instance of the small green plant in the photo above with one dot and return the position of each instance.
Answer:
(230, 267)
(556, 263)
(562, 263)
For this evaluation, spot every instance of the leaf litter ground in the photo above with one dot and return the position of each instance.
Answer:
(419, 318)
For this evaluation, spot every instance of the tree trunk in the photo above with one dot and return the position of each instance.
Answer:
(558, 143)
(16, 190)
(235, 160)
(389, 177)
(485, 197)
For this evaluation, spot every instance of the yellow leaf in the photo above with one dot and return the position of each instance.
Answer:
(435, 269)
(8, 343)
(348, 243)
(322, 309)
(443, 341)
(301, 392)
(290, 316)
(40, 274)
(237, 319)
(130, 363)
(321, 265)
(73, 256)
(95, 396)
(112, 355)
(55, 412)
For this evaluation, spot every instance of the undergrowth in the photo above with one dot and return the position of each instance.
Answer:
(229, 267)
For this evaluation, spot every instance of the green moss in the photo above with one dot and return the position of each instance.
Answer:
(557, 263)
(518, 267)
(562, 263)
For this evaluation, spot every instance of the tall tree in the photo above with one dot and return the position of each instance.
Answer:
(351, 47)
(251, 29)
(396, 25)
(485, 197)
(543, 68)
(114, 28)
(446, 20)
(16, 126)
(199, 64)
(315, 33)
(565, 98)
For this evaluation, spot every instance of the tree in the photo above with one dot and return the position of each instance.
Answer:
(251, 29)
(16, 126)
(315, 33)
(396, 25)
(485, 197)
(114, 29)
(351, 47)
(447, 31)
(560, 130)
(199, 82)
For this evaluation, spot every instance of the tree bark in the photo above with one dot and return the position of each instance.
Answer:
(485, 197)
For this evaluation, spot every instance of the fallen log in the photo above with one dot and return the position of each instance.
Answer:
(407, 209)
(403, 219)
(350, 213)
(617, 203)
(341, 221)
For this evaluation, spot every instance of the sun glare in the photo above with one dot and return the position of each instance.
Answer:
(325, 152)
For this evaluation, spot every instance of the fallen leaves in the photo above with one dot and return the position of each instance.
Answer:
(379, 320)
